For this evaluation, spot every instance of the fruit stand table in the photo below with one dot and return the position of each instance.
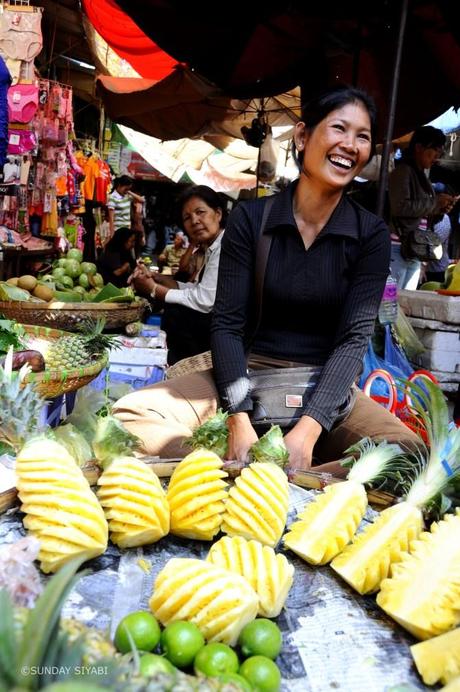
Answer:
(333, 639)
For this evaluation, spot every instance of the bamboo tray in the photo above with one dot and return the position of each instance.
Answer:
(71, 315)
(311, 480)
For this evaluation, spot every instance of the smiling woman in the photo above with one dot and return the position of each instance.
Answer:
(327, 265)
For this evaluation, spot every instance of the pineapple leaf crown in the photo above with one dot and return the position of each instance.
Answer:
(20, 404)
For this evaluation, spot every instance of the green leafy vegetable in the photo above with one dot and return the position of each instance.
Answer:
(212, 435)
(270, 448)
(113, 440)
(11, 334)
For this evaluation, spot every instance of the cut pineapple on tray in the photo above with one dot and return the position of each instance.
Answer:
(438, 659)
(61, 510)
(329, 522)
(134, 503)
(372, 555)
(257, 504)
(219, 602)
(196, 495)
(269, 574)
(423, 593)
(367, 561)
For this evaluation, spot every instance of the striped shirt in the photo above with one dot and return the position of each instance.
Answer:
(121, 204)
(319, 305)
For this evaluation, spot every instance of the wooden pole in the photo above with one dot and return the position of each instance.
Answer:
(387, 144)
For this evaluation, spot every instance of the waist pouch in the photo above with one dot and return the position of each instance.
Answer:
(279, 395)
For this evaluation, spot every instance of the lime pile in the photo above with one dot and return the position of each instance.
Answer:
(71, 273)
(181, 645)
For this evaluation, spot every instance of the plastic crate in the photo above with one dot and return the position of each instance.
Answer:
(157, 374)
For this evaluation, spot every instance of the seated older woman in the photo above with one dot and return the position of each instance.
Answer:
(188, 305)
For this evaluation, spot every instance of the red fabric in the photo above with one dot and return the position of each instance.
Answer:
(127, 40)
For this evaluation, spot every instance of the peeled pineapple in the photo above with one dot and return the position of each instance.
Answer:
(257, 504)
(328, 523)
(219, 602)
(453, 686)
(196, 495)
(438, 659)
(269, 574)
(423, 594)
(134, 503)
(368, 560)
(61, 510)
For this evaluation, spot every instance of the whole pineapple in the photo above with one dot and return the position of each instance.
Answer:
(257, 504)
(196, 494)
(76, 350)
(134, 502)
(61, 510)
(219, 602)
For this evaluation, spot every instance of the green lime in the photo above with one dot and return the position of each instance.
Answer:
(181, 642)
(236, 680)
(262, 673)
(261, 637)
(143, 629)
(214, 659)
(151, 664)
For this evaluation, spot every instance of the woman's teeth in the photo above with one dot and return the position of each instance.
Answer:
(339, 161)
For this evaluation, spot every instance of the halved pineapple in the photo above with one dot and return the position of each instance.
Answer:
(368, 560)
(438, 659)
(328, 523)
(257, 504)
(134, 503)
(423, 594)
(269, 574)
(219, 602)
(61, 510)
(196, 495)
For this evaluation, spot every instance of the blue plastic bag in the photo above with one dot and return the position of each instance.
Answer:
(395, 356)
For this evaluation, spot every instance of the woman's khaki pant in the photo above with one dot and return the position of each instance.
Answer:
(163, 415)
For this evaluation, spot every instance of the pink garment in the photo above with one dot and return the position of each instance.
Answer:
(22, 103)
(20, 33)
(21, 141)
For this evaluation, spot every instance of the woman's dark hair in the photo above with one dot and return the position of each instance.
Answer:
(317, 108)
(122, 180)
(207, 194)
(119, 238)
(429, 137)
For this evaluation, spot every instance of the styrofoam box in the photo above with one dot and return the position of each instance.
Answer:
(139, 356)
(156, 339)
(444, 341)
(430, 305)
(141, 371)
(447, 361)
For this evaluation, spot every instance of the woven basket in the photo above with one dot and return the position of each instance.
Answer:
(52, 383)
(71, 315)
(186, 366)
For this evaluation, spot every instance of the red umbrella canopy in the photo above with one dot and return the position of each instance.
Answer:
(264, 48)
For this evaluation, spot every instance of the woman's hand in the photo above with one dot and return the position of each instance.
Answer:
(142, 283)
(241, 436)
(300, 442)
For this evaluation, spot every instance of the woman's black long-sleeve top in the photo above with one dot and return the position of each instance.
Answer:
(319, 305)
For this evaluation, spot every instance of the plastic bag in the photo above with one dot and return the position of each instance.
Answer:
(395, 356)
(373, 362)
(407, 337)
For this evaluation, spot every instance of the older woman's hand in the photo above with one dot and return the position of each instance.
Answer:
(142, 283)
